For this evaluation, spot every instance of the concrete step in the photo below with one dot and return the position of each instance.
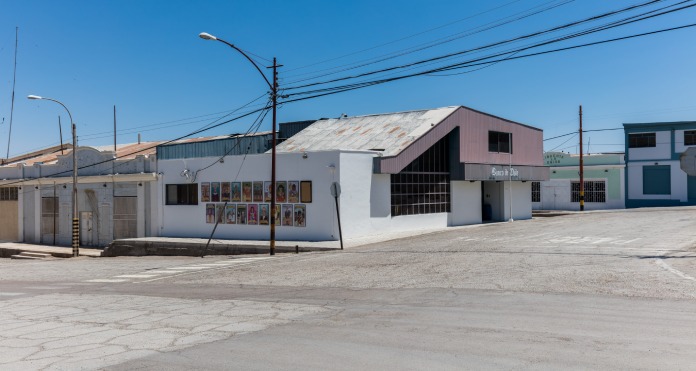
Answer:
(24, 257)
(39, 255)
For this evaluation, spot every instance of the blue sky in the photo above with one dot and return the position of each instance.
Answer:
(145, 57)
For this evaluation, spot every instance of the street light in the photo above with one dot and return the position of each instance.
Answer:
(274, 97)
(75, 220)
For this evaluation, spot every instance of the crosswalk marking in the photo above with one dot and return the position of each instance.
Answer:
(156, 274)
(107, 280)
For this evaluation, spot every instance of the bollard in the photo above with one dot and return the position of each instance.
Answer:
(297, 249)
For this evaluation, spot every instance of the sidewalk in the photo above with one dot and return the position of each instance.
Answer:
(8, 249)
(170, 246)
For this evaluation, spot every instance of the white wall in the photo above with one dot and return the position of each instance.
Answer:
(662, 150)
(521, 200)
(678, 181)
(555, 195)
(189, 221)
(466, 203)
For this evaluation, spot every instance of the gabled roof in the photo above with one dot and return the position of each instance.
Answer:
(389, 133)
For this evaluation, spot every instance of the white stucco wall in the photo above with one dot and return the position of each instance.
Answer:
(661, 151)
(678, 181)
(466, 203)
(189, 221)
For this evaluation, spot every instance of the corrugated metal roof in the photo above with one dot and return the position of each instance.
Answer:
(390, 133)
(217, 146)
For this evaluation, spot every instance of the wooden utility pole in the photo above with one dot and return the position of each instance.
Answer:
(582, 177)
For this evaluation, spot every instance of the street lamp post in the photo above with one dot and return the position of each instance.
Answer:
(75, 220)
(274, 97)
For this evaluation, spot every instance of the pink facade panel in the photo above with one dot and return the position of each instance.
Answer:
(474, 126)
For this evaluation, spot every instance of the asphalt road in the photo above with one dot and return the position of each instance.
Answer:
(586, 291)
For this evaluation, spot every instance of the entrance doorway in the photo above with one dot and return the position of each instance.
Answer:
(86, 228)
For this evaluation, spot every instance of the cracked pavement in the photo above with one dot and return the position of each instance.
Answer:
(596, 290)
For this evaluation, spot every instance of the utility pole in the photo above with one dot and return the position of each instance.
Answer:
(582, 177)
(274, 96)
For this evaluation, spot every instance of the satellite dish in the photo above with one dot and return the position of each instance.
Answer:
(687, 161)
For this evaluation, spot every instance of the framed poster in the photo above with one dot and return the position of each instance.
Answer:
(300, 215)
(258, 192)
(281, 191)
(293, 192)
(205, 192)
(306, 191)
(287, 215)
(264, 214)
(231, 214)
(277, 214)
(215, 191)
(241, 214)
(220, 213)
(252, 214)
(210, 213)
(266, 191)
(236, 192)
(225, 197)
(246, 191)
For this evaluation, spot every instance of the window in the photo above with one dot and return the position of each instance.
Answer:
(536, 191)
(641, 140)
(8, 194)
(499, 142)
(656, 180)
(182, 194)
(595, 191)
(690, 138)
(423, 187)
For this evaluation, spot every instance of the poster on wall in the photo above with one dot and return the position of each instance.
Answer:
(300, 215)
(264, 214)
(241, 214)
(215, 191)
(220, 213)
(253, 214)
(225, 192)
(281, 191)
(205, 192)
(277, 214)
(210, 213)
(236, 192)
(258, 192)
(293, 192)
(306, 191)
(287, 215)
(266, 191)
(246, 191)
(231, 214)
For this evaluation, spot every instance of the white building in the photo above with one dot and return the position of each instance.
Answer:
(653, 173)
(402, 171)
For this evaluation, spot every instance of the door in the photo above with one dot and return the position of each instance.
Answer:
(49, 220)
(86, 228)
(125, 217)
(548, 197)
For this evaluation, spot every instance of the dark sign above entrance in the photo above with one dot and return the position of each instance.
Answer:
(504, 172)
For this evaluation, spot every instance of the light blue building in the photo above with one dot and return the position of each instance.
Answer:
(653, 173)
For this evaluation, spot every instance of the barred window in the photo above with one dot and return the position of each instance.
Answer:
(536, 191)
(423, 187)
(690, 138)
(641, 140)
(8, 194)
(595, 191)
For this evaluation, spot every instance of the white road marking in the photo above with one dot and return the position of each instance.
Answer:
(107, 280)
(168, 271)
(189, 268)
(668, 267)
(136, 276)
(11, 293)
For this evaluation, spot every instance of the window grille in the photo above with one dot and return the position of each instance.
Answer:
(182, 194)
(423, 187)
(595, 191)
(690, 138)
(536, 191)
(641, 140)
(8, 194)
